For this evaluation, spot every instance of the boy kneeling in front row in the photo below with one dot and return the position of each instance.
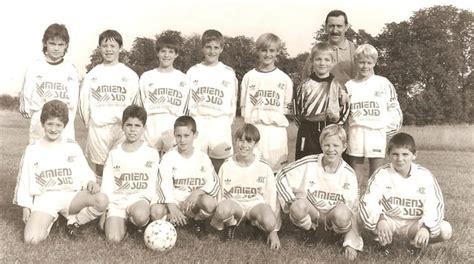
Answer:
(403, 199)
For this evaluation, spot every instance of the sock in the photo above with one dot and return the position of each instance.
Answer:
(202, 215)
(84, 216)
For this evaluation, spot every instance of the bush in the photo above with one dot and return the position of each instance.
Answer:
(8, 102)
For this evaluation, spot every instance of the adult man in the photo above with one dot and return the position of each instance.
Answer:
(336, 26)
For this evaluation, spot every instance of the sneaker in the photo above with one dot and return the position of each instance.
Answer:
(200, 228)
(136, 232)
(230, 232)
(385, 250)
(413, 251)
(73, 230)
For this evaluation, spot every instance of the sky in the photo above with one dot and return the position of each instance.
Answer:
(294, 21)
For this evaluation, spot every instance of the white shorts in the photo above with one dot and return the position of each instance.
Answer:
(159, 130)
(247, 206)
(366, 142)
(273, 145)
(118, 207)
(101, 139)
(54, 202)
(37, 130)
(214, 136)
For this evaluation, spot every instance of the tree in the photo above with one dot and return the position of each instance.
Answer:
(143, 56)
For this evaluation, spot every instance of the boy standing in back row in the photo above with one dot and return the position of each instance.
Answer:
(107, 89)
(213, 88)
(265, 100)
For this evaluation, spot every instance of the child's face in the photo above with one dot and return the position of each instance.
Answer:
(133, 129)
(212, 50)
(332, 148)
(55, 49)
(110, 51)
(322, 63)
(53, 127)
(184, 138)
(166, 56)
(267, 56)
(244, 147)
(366, 66)
(401, 159)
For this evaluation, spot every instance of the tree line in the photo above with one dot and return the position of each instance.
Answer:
(429, 59)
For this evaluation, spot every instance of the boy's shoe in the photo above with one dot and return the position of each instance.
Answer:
(200, 228)
(73, 230)
(230, 232)
(136, 232)
(308, 237)
(413, 251)
(385, 250)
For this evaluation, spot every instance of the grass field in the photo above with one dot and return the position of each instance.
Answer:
(450, 158)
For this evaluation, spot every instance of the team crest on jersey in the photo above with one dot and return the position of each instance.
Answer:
(36, 165)
(173, 170)
(196, 82)
(421, 190)
(182, 84)
(148, 164)
(346, 186)
(225, 83)
(39, 77)
(93, 79)
(203, 169)
(312, 183)
(378, 93)
(261, 179)
(281, 86)
(69, 78)
(227, 181)
(124, 79)
(71, 158)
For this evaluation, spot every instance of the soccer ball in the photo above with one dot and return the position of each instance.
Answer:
(160, 235)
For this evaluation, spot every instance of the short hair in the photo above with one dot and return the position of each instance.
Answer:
(111, 34)
(186, 121)
(318, 48)
(367, 51)
(134, 111)
(402, 140)
(249, 131)
(55, 31)
(333, 130)
(53, 109)
(265, 40)
(336, 13)
(170, 42)
(210, 35)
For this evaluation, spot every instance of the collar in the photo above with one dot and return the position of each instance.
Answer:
(328, 79)
(343, 46)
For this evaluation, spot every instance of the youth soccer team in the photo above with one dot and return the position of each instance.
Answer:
(162, 147)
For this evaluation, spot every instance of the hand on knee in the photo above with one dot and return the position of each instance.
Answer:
(158, 211)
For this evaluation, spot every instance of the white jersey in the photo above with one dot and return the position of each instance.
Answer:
(266, 97)
(374, 104)
(324, 190)
(213, 90)
(416, 197)
(131, 172)
(184, 175)
(106, 91)
(163, 92)
(61, 167)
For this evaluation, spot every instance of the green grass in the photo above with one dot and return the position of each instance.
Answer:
(453, 170)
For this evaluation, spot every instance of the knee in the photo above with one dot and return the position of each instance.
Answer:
(141, 217)
(208, 203)
(158, 211)
(298, 209)
(446, 231)
(268, 223)
(101, 201)
(341, 216)
(223, 211)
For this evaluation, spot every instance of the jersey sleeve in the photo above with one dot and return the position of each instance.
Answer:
(433, 209)
(291, 180)
(270, 197)
(344, 108)
(298, 104)
(288, 97)
(369, 207)
(212, 185)
(22, 195)
(352, 194)
(395, 115)
(141, 96)
(166, 180)
(84, 101)
(243, 95)
(83, 167)
(26, 94)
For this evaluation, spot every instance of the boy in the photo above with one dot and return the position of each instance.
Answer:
(130, 177)
(404, 199)
(374, 114)
(265, 100)
(54, 178)
(164, 94)
(248, 190)
(213, 99)
(50, 78)
(189, 184)
(322, 189)
(317, 101)
(107, 89)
